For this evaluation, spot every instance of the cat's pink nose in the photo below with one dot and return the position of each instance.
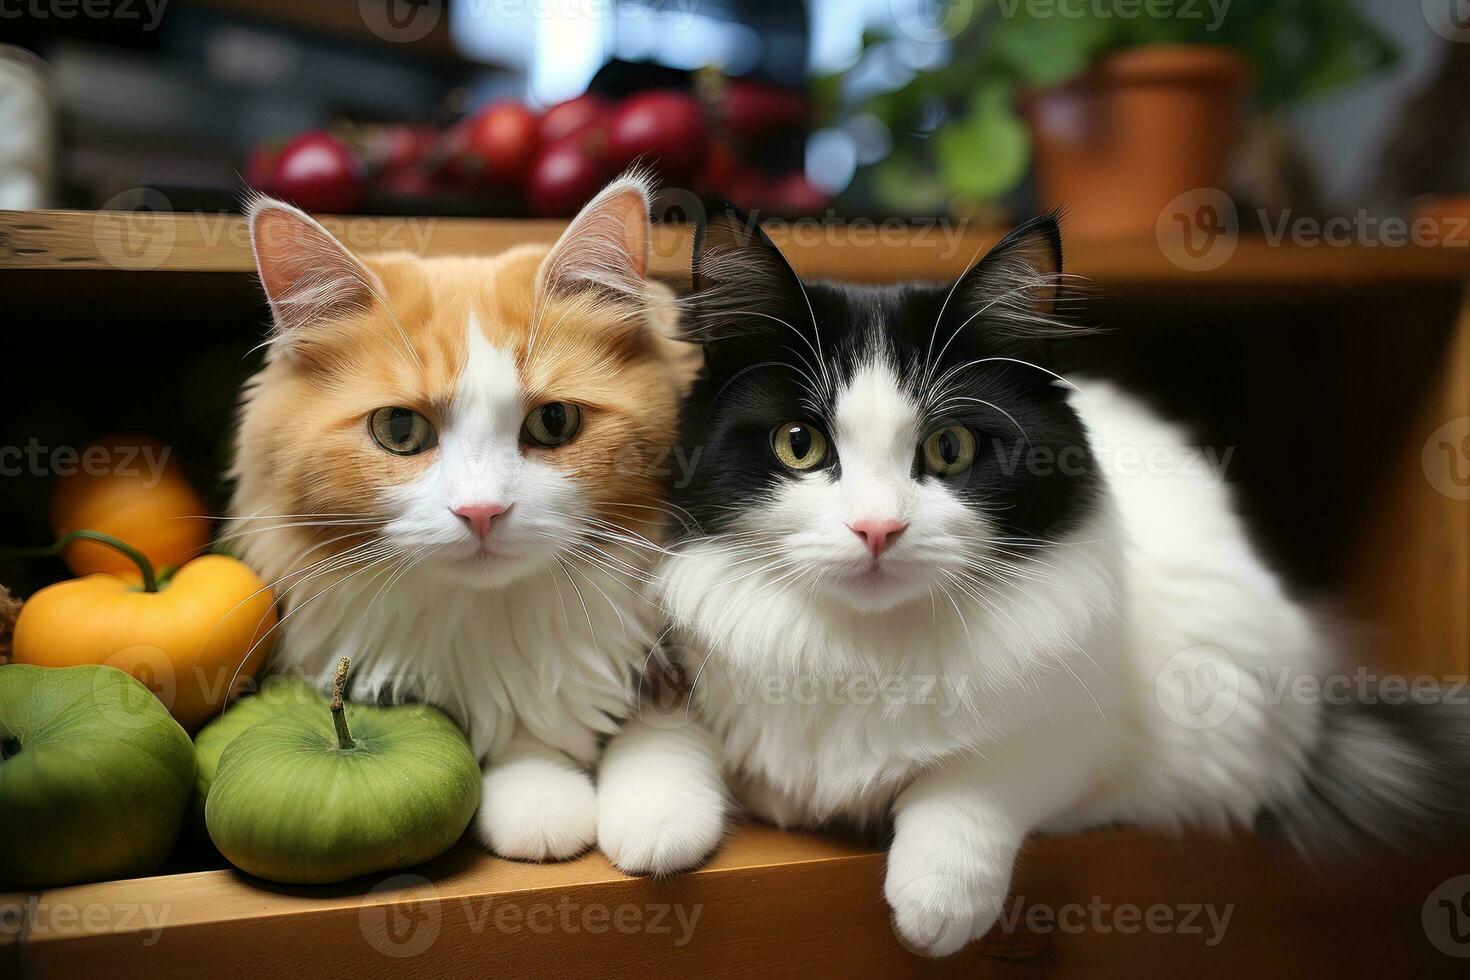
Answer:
(479, 516)
(877, 532)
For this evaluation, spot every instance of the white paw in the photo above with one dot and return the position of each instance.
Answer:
(661, 832)
(534, 811)
(937, 913)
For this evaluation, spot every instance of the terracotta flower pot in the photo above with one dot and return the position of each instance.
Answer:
(1141, 127)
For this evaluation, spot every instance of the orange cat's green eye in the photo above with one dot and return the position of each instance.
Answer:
(552, 424)
(402, 431)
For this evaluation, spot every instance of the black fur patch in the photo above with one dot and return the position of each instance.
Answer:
(1382, 773)
(778, 350)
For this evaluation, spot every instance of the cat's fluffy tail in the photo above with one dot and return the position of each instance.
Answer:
(1387, 774)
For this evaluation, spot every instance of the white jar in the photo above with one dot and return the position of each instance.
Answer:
(27, 132)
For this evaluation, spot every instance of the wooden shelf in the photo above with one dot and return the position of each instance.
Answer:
(343, 21)
(218, 242)
(774, 903)
(768, 903)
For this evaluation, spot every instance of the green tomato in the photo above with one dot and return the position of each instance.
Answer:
(319, 795)
(277, 696)
(94, 776)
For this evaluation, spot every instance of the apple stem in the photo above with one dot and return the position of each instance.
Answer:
(339, 714)
(150, 580)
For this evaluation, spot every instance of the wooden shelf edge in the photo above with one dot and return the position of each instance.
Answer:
(465, 872)
(769, 901)
(219, 242)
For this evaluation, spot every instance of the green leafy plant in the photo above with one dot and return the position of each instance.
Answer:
(971, 142)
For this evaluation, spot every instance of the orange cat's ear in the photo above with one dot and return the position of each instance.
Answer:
(307, 274)
(606, 245)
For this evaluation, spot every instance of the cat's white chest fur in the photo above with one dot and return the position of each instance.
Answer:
(538, 653)
(864, 738)
(825, 714)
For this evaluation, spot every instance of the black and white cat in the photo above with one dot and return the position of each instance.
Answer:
(922, 597)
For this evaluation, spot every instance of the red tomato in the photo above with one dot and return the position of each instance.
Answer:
(318, 172)
(721, 166)
(504, 136)
(572, 117)
(563, 178)
(399, 146)
(450, 163)
(749, 188)
(261, 165)
(662, 129)
(753, 109)
(410, 182)
(794, 194)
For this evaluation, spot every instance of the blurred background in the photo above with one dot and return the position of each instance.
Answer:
(988, 109)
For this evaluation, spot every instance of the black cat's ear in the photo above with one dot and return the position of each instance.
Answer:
(1014, 289)
(742, 284)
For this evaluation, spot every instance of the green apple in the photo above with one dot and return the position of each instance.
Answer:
(94, 776)
(331, 791)
(277, 696)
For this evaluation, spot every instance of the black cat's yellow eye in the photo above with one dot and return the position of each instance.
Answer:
(949, 450)
(552, 424)
(799, 446)
(402, 431)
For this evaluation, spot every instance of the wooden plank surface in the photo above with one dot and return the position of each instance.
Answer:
(1108, 903)
(1411, 577)
(218, 242)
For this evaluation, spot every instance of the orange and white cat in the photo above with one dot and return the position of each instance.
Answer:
(450, 469)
